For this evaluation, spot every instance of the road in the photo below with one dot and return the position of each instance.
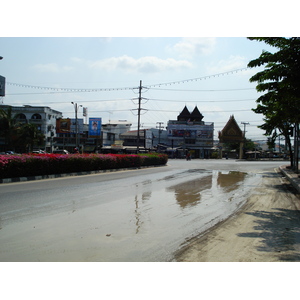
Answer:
(135, 215)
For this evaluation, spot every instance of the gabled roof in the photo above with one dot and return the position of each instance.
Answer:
(196, 115)
(231, 131)
(184, 115)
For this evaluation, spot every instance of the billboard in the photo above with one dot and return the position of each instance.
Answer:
(148, 139)
(63, 125)
(186, 131)
(79, 125)
(2, 86)
(95, 127)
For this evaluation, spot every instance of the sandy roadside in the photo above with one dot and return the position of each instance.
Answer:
(266, 229)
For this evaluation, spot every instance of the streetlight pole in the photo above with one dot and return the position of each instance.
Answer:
(76, 107)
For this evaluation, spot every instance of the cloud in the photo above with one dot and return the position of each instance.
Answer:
(147, 64)
(224, 65)
(52, 68)
(191, 47)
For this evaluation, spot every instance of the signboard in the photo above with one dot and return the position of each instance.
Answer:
(194, 131)
(95, 127)
(85, 111)
(79, 126)
(2, 86)
(63, 125)
(148, 139)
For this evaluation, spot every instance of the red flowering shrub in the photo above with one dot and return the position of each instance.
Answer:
(45, 164)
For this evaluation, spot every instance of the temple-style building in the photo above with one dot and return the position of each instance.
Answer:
(232, 133)
(191, 134)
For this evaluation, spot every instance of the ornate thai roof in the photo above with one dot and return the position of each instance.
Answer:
(196, 116)
(185, 115)
(231, 131)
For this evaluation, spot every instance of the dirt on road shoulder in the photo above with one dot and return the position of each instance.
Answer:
(266, 229)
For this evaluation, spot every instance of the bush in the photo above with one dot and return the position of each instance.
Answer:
(46, 164)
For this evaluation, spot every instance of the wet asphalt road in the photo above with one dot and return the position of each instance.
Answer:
(138, 215)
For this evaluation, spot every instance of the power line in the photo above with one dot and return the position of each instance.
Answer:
(152, 99)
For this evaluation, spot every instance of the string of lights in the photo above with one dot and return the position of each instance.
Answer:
(196, 79)
(68, 90)
(202, 101)
(85, 90)
(211, 90)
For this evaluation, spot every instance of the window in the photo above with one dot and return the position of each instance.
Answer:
(21, 117)
(36, 117)
(190, 141)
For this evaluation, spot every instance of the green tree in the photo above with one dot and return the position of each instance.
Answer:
(29, 136)
(280, 79)
(8, 128)
(18, 136)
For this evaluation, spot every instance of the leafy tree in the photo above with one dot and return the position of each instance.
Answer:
(29, 136)
(248, 146)
(8, 127)
(280, 80)
(18, 135)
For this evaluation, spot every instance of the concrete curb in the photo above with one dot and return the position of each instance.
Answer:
(52, 176)
(291, 176)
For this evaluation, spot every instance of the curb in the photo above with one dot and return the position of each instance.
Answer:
(291, 176)
(53, 176)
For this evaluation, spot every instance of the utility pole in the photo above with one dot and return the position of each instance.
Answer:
(139, 109)
(244, 123)
(76, 107)
(159, 130)
(139, 118)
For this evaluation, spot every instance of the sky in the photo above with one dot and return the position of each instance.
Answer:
(59, 65)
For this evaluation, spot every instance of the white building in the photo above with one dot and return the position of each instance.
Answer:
(112, 130)
(42, 116)
(191, 134)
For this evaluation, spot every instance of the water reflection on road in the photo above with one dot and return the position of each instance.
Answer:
(144, 218)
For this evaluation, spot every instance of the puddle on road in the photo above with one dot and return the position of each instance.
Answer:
(144, 219)
(189, 193)
(230, 181)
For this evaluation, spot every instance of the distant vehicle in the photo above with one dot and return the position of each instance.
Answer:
(39, 152)
(61, 152)
(10, 152)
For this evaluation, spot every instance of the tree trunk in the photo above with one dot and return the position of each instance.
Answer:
(288, 141)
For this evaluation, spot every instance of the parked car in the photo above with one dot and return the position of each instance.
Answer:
(10, 152)
(39, 152)
(61, 152)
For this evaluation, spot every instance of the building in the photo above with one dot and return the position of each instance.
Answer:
(113, 130)
(131, 139)
(190, 134)
(42, 116)
(66, 137)
(108, 138)
(231, 133)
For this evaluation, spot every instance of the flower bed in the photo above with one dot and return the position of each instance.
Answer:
(26, 165)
